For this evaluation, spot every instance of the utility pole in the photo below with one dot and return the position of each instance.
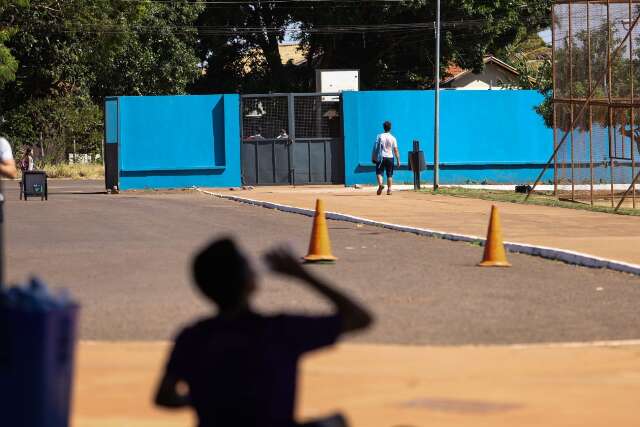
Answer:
(436, 127)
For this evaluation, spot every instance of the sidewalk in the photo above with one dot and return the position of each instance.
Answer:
(386, 386)
(615, 237)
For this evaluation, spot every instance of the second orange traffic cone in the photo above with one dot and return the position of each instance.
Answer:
(494, 253)
(320, 245)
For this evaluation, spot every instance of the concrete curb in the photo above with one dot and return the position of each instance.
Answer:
(569, 257)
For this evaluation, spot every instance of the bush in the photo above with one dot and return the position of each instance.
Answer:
(76, 171)
(51, 125)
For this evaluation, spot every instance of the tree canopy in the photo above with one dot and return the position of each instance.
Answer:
(60, 58)
(73, 53)
(390, 42)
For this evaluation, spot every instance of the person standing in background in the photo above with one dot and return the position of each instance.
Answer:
(26, 163)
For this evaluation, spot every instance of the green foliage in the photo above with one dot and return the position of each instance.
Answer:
(537, 75)
(52, 124)
(8, 64)
(356, 35)
(250, 61)
(148, 56)
(60, 58)
(73, 53)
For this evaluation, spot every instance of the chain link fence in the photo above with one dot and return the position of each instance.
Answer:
(596, 75)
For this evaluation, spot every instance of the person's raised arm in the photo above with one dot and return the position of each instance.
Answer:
(354, 316)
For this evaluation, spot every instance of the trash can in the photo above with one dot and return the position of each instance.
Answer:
(37, 341)
(34, 184)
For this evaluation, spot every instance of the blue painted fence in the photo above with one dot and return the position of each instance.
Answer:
(175, 141)
(486, 136)
(184, 141)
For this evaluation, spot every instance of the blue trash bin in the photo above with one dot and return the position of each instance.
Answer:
(37, 341)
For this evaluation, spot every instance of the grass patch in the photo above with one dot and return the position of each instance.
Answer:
(75, 171)
(538, 198)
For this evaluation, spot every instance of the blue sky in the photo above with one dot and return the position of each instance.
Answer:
(546, 35)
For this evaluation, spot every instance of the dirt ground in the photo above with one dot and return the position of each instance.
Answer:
(393, 386)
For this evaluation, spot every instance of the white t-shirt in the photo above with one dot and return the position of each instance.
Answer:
(387, 144)
(5, 150)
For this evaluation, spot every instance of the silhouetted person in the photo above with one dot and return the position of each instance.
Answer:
(240, 367)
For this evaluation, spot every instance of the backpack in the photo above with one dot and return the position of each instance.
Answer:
(376, 155)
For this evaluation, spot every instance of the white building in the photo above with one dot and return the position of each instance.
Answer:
(497, 75)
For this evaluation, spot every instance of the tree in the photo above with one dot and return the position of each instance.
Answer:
(238, 43)
(391, 43)
(57, 126)
(149, 52)
(72, 53)
(8, 64)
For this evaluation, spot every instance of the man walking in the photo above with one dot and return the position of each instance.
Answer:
(384, 150)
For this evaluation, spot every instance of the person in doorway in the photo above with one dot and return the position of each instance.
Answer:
(239, 368)
(256, 136)
(27, 163)
(7, 163)
(384, 150)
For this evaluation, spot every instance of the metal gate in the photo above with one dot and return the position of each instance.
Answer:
(292, 139)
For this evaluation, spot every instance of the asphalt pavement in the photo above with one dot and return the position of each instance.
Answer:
(126, 258)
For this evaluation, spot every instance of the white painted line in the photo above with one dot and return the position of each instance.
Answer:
(567, 256)
(588, 344)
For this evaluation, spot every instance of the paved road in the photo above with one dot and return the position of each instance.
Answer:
(126, 258)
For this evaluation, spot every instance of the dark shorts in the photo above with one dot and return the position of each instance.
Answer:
(387, 165)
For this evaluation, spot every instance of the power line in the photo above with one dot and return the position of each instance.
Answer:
(230, 30)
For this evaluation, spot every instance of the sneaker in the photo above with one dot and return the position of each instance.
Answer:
(380, 188)
(388, 192)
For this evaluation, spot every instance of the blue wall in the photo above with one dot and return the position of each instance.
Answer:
(182, 141)
(492, 136)
(178, 141)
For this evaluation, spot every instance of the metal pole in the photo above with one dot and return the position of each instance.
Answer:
(291, 120)
(571, 138)
(436, 127)
(589, 70)
(633, 119)
(610, 99)
(554, 105)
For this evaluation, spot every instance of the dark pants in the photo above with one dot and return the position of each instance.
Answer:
(386, 165)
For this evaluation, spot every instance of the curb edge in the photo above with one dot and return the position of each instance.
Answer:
(555, 254)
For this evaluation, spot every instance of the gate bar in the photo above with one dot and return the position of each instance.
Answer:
(292, 138)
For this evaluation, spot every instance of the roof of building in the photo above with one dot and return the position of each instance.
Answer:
(291, 52)
(456, 72)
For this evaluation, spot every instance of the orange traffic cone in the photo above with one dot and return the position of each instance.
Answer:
(320, 245)
(494, 253)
